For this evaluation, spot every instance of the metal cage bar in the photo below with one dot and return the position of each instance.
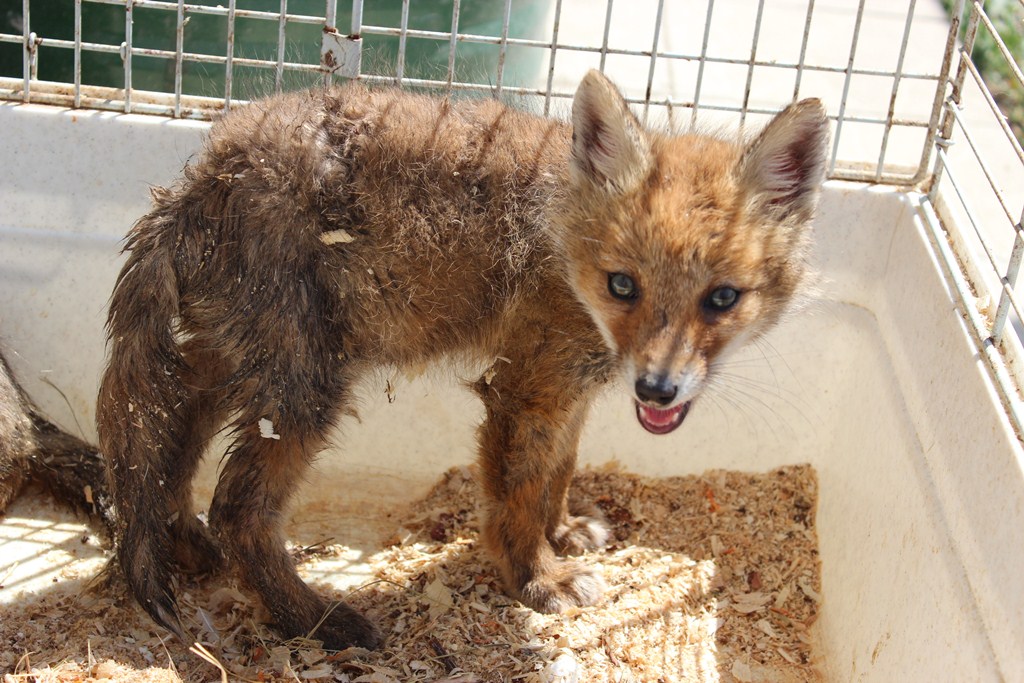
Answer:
(402, 39)
(654, 58)
(179, 52)
(846, 86)
(453, 40)
(702, 61)
(1007, 298)
(506, 19)
(554, 53)
(803, 50)
(895, 88)
(78, 54)
(1011, 62)
(610, 51)
(126, 53)
(469, 38)
(229, 70)
(215, 10)
(282, 33)
(750, 65)
(27, 41)
(607, 31)
(939, 135)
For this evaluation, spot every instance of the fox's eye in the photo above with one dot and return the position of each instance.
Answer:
(722, 299)
(621, 286)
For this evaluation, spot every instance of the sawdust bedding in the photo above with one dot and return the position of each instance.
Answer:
(711, 578)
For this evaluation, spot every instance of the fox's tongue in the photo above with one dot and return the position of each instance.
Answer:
(658, 421)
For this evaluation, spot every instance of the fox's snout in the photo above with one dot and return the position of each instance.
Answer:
(663, 399)
(659, 379)
(659, 407)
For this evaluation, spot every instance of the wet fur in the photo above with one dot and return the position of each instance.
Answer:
(34, 450)
(324, 234)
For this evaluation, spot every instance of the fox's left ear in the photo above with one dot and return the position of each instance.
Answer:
(783, 168)
(609, 146)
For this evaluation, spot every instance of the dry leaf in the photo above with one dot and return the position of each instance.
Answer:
(319, 671)
(440, 598)
(224, 599)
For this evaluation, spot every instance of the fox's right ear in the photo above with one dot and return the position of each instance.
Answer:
(609, 146)
(783, 168)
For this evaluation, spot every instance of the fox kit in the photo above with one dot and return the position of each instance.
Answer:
(322, 234)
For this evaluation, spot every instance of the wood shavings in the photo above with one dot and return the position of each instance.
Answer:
(492, 371)
(338, 236)
(711, 578)
(746, 603)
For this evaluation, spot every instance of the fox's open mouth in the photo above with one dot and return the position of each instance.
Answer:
(658, 421)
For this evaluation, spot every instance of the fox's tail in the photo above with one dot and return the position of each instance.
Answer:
(142, 380)
(143, 412)
(33, 449)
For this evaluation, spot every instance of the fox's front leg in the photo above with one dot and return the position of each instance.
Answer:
(527, 454)
(574, 526)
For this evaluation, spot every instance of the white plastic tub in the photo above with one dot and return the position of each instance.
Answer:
(921, 516)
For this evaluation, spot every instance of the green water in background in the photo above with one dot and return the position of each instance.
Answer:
(258, 38)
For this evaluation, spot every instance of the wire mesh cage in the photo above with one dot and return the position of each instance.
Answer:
(901, 81)
(686, 63)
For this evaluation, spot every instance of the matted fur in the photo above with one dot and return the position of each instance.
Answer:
(33, 449)
(325, 233)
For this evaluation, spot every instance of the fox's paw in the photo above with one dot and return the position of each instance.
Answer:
(578, 534)
(195, 551)
(149, 578)
(343, 627)
(161, 606)
(567, 585)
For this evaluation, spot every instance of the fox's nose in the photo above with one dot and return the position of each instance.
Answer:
(658, 390)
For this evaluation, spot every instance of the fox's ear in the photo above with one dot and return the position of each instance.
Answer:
(609, 146)
(783, 168)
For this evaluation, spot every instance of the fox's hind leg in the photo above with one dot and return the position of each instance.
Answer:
(285, 406)
(528, 453)
(194, 548)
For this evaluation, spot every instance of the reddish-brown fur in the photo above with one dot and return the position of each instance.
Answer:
(323, 234)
